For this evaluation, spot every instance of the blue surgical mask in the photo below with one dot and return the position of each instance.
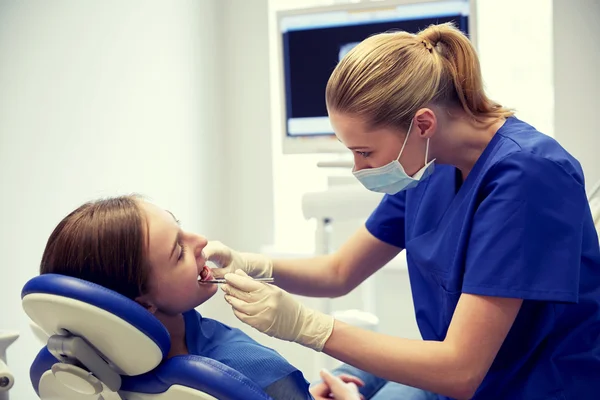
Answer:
(391, 178)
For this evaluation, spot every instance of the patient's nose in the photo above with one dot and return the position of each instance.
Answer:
(201, 243)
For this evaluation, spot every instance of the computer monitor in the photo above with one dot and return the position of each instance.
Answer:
(312, 41)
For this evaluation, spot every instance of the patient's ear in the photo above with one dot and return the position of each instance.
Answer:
(146, 303)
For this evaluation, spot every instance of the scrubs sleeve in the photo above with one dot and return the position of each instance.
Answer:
(386, 223)
(527, 232)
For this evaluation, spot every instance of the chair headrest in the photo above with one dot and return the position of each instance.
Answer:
(83, 318)
(125, 334)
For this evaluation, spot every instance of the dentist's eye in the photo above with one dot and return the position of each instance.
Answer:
(363, 153)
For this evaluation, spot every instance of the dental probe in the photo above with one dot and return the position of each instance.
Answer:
(222, 280)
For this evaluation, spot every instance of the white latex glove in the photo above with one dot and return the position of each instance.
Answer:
(275, 312)
(229, 260)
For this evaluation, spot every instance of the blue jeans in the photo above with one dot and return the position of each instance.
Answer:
(292, 387)
(380, 389)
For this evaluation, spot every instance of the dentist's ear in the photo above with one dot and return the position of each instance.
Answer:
(426, 123)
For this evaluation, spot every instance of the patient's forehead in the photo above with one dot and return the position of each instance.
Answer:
(161, 231)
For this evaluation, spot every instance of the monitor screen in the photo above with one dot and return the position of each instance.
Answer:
(313, 42)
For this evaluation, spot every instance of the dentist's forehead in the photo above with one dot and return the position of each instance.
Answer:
(350, 131)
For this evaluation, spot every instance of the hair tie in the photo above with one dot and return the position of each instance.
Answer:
(427, 45)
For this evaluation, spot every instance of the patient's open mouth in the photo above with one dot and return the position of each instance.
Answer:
(205, 274)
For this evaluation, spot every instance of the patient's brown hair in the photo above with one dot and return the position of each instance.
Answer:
(102, 242)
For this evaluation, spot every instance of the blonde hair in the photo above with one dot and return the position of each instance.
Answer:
(388, 77)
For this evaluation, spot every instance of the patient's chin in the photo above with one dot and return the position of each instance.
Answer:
(206, 292)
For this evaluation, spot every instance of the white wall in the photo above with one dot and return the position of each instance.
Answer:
(102, 98)
(514, 43)
(577, 81)
(246, 124)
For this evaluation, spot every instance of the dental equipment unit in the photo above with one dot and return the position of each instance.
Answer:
(7, 379)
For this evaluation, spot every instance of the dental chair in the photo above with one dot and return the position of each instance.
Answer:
(103, 345)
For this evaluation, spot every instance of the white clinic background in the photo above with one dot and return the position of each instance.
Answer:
(175, 99)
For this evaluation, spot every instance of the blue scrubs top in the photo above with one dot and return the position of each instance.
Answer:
(519, 226)
(232, 347)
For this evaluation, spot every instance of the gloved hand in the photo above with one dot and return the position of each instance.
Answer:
(275, 312)
(229, 260)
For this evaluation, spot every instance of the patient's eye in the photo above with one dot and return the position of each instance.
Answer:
(181, 254)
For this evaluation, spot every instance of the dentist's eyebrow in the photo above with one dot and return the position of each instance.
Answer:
(354, 148)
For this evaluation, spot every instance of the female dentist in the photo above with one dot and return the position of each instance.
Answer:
(503, 256)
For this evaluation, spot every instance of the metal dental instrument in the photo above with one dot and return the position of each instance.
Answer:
(222, 280)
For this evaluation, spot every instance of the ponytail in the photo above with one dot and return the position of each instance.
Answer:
(388, 77)
(460, 79)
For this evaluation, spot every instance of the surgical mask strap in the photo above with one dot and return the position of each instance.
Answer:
(405, 140)
(426, 151)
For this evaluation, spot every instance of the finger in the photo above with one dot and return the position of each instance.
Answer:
(213, 249)
(252, 310)
(249, 320)
(330, 380)
(244, 283)
(237, 293)
(240, 315)
(352, 379)
(320, 390)
(240, 305)
(219, 272)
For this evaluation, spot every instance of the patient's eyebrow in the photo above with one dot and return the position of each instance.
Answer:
(174, 245)
(175, 218)
(177, 238)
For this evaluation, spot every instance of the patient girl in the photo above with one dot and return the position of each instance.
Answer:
(139, 250)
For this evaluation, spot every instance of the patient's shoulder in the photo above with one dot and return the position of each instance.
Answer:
(203, 334)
